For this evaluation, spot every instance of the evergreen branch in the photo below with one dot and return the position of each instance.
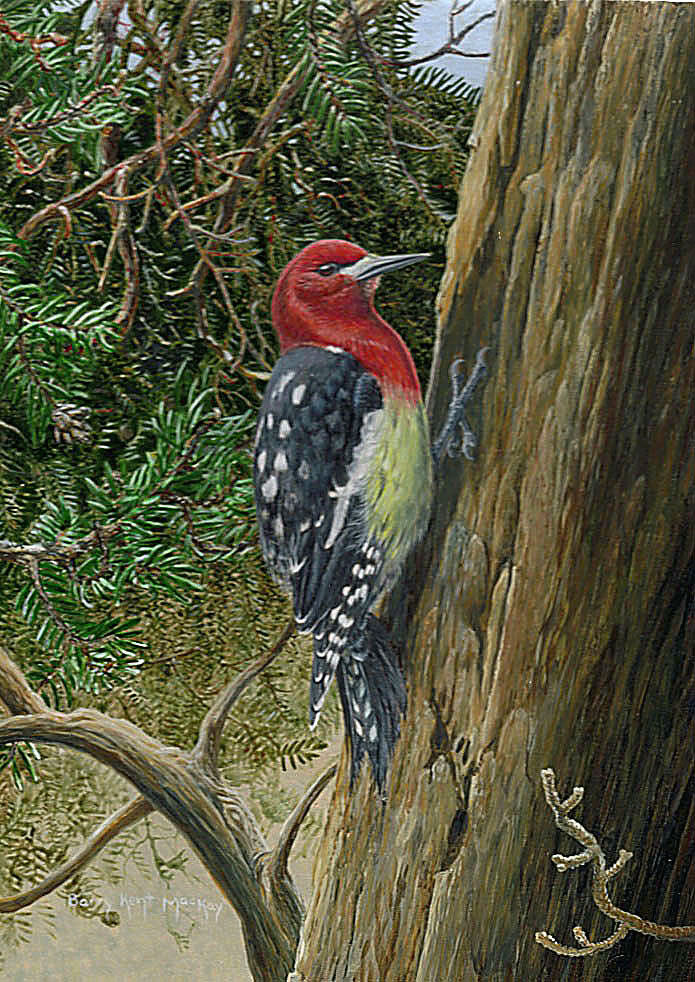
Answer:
(282, 98)
(197, 121)
(53, 39)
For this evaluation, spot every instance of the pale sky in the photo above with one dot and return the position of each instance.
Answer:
(433, 31)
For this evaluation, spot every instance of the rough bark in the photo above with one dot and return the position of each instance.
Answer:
(187, 789)
(551, 614)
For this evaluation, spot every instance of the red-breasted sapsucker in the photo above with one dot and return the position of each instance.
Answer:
(343, 477)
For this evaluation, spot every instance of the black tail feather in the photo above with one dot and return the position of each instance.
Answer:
(372, 693)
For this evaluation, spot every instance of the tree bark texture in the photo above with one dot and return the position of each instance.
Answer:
(550, 618)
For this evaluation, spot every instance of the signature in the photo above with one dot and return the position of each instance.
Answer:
(148, 904)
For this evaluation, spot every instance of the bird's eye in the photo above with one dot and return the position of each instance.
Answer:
(328, 269)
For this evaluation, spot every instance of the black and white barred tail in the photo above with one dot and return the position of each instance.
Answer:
(372, 693)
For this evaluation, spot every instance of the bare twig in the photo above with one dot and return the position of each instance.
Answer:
(64, 552)
(593, 853)
(196, 121)
(450, 46)
(207, 748)
(126, 816)
(276, 863)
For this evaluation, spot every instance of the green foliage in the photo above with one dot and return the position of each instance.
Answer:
(130, 577)
(20, 758)
(125, 451)
(144, 529)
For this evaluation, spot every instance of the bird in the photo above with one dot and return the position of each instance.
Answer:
(343, 480)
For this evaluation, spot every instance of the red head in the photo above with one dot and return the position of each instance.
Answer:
(325, 296)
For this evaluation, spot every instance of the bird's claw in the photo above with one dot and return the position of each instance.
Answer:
(462, 391)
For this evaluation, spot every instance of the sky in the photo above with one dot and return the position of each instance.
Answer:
(433, 31)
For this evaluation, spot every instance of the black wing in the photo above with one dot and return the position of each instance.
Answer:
(317, 409)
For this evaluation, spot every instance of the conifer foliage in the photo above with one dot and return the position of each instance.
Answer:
(160, 162)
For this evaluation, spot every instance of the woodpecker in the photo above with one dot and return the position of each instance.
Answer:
(343, 477)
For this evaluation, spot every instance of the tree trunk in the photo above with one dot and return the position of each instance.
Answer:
(551, 616)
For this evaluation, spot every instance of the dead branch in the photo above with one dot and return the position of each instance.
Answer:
(593, 853)
(175, 785)
(126, 816)
(451, 45)
(207, 748)
(276, 864)
(196, 121)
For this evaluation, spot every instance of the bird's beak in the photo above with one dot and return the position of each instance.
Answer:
(369, 266)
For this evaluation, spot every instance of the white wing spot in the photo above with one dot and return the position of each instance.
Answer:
(372, 733)
(356, 569)
(304, 526)
(284, 430)
(367, 708)
(298, 393)
(280, 462)
(303, 470)
(346, 590)
(283, 383)
(261, 460)
(370, 569)
(270, 488)
(279, 528)
(269, 420)
(358, 728)
(319, 521)
(346, 621)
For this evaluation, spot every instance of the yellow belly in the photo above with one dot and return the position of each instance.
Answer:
(399, 485)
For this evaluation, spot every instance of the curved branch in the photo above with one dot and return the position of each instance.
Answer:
(177, 787)
(15, 691)
(126, 816)
(277, 862)
(207, 748)
(593, 854)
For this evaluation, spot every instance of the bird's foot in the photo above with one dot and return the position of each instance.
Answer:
(462, 390)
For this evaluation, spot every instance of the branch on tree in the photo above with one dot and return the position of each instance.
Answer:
(15, 691)
(191, 126)
(207, 748)
(126, 816)
(593, 853)
(283, 97)
(451, 45)
(276, 863)
(174, 784)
